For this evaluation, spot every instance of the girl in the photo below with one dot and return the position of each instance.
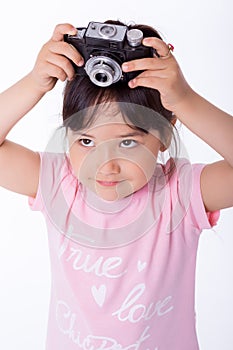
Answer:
(123, 227)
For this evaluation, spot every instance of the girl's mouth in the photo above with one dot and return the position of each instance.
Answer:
(107, 183)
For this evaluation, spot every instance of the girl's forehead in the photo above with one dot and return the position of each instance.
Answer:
(103, 119)
(105, 124)
(107, 117)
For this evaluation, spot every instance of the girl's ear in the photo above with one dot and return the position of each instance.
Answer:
(163, 147)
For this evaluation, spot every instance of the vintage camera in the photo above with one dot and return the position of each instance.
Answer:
(104, 48)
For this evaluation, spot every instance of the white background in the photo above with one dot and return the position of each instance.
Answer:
(201, 32)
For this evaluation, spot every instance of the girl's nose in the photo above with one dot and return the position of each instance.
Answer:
(110, 167)
(107, 158)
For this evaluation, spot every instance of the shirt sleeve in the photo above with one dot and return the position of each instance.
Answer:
(204, 220)
(187, 205)
(54, 170)
(36, 203)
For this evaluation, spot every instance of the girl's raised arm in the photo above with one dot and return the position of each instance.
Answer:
(53, 63)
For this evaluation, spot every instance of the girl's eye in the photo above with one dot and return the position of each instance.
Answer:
(86, 142)
(128, 143)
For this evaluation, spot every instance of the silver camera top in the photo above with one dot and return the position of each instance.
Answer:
(106, 31)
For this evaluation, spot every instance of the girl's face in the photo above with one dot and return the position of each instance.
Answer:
(111, 158)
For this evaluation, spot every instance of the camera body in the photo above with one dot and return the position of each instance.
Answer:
(104, 48)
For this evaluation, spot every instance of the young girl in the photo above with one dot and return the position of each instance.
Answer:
(123, 226)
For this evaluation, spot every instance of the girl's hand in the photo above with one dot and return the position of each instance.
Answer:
(162, 73)
(53, 61)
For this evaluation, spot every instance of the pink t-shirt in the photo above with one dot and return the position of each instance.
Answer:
(123, 273)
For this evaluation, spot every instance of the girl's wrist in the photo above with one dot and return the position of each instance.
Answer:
(187, 103)
(39, 85)
(34, 85)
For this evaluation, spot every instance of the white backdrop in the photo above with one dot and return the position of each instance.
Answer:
(201, 32)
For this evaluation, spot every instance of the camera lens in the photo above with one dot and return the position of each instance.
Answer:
(101, 77)
(103, 71)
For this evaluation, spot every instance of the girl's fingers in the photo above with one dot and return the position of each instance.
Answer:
(60, 61)
(58, 46)
(159, 45)
(62, 29)
(163, 50)
(149, 83)
(144, 64)
(154, 81)
(55, 58)
(67, 50)
(55, 72)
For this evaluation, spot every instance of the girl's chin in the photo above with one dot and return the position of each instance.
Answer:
(111, 196)
(113, 193)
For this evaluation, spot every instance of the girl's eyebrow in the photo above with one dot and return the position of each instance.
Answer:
(130, 134)
(85, 135)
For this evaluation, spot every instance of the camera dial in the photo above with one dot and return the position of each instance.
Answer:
(134, 37)
(107, 31)
(103, 71)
